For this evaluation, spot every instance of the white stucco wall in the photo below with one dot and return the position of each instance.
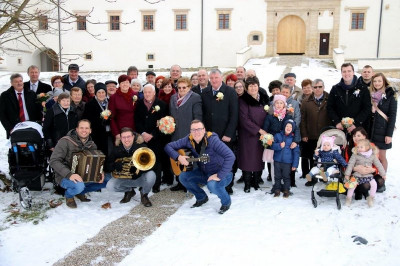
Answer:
(325, 21)
(390, 30)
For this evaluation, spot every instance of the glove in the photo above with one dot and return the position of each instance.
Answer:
(132, 170)
(118, 166)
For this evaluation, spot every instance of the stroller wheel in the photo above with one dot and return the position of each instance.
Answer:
(25, 198)
(314, 202)
(338, 203)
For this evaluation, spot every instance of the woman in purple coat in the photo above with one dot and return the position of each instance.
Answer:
(251, 119)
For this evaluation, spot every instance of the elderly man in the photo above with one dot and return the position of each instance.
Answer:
(34, 83)
(132, 72)
(215, 173)
(130, 142)
(240, 73)
(295, 92)
(202, 76)
(72, 79)
(175, 73)
(76, 101)
(61, 160)
(220, 110)
(111, 87)
(18, 105)
(348, 100)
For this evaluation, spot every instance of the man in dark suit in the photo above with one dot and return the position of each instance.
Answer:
(202, 76)
(34, 83)
(18, 105)
(220, 110)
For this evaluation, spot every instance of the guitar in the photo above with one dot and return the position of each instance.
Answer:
(178, 168)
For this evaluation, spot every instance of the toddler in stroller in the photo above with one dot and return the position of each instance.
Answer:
(363, 154)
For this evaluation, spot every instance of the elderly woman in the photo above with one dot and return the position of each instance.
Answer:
(166, 92)
(306, 86)
(57, 83)
(274, 87)
(185, 106)
(314, 117)
(122, 106)
(89, 94)
(251, 119)
(59, 119)
(137, 87)
(230, 80)
(100, 122)
(148, 111)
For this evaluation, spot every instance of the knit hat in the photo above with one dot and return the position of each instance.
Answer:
(279, 97)
(123, 78)
(64, 95)
(331, 140)
(100, 86)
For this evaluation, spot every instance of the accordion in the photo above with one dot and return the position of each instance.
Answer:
(88, 164)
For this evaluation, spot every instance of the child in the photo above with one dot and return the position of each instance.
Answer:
(285, 158)
(326, 153)
(364, 155)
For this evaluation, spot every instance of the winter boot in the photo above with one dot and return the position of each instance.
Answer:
(82, 198)
(286, 193)
(128, 195)
(256, 176)
(71, 203)
(277, 193)
(247, 181)
(269, 178)
(145, 200)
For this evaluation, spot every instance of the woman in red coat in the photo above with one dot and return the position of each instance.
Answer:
(122, 106)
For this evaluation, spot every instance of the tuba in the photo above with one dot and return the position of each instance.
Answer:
(143, 159)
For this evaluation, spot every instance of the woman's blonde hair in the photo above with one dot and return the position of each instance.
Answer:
(364, 142)
(385, 82)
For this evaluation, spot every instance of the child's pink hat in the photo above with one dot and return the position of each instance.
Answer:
(331, 140)
(279, 97)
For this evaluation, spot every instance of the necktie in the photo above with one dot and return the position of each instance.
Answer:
(34, 87)
(214, 92)
(21, 108)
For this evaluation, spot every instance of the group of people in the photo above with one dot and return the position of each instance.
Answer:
(224, 118)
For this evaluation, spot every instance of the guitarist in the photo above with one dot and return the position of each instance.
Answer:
(216, 174)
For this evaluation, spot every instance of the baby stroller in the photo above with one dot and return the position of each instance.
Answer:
(336, 179)
(27, 161)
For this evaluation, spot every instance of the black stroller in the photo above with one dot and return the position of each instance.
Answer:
(336, 180)
(27, 160)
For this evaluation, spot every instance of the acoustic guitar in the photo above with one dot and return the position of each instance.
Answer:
(178, 168)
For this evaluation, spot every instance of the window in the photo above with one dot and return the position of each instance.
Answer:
(81, 22)
(43, 23)
(181, 22)
(19, 61)
(114, 23)
(150, 57)
(224, 19)
(357, 21)
(88, 56)
(255, 38)
(148, 22)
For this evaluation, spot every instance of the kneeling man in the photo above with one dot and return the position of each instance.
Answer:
(216, 173)
(130, 142)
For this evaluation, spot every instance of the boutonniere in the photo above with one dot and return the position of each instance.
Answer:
(220, 96)
(384, 96)
(290, 108)
(156, 109)
(134, 99)
(356, 92)
(266, 108)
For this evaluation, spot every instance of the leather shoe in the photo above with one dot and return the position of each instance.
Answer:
(229, 190)
(224, 208)
(71, 203)
(145, 200)
(156, 189)
(82, 198)
(128, 195)
(178, 187)
(199, 202)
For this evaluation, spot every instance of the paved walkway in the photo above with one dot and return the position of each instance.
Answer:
(116, 240)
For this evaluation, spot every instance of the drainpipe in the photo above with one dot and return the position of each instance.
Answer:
(201, 34)
(379, 30)
(59, 36)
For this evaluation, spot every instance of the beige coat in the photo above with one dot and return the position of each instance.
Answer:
(358, 159)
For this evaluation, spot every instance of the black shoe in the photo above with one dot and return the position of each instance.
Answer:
(260, 180)
(229, 190)
(156, 189)
(381, 189)
(269, 178)
(311, 183)
(128, 195)
(286, 194)
(240, 180)
(145, 200)
(198, 203)
(303, 176)
(224, 208)
(82, 198)
(178, 187)
(247, 188)
(293, 185)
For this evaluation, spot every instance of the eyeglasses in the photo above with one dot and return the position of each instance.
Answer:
(318, 87)
(238, 86)
(182, 88)
(193, 130)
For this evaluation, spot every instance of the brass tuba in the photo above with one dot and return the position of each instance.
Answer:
(143, 159)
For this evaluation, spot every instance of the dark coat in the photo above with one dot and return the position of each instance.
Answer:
(146, 121)
(221, 157)
(221, 116)
(380, 127)
(314, 117)
(251, 120)
(42, 87)
(352, 102)
(197, 89)
(185, 114)
(272, 125)
(56, 124)
(123, 113)
(166, 98)
(9, 108)
(79, 83)
(99, 133)
(361, 84)
(79, 109)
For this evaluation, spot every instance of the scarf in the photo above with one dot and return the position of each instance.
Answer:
(377, 96)
(367, 153)
(103, 105)
(148, 104)
(280, 114)
(127, 96)
(165, 97)
(183, 100)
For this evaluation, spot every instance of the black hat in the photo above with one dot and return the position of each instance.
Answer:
(73, 67)
(111, 81)
(100, 86)
(293, 75)
(150, 73)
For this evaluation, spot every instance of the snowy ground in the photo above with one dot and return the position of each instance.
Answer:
(257, 230)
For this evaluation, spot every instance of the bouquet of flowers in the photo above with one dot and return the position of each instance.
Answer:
(267, 140)
(290, 109)
(42, 98)
(347, 122)
(166, 125)
(105, 115)
(351, 182)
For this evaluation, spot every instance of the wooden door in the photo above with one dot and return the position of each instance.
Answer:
(324, 44)
(291, 35)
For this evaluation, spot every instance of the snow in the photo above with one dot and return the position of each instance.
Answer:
(258, 229)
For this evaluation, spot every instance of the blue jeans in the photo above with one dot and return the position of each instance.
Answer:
(72, 188)
(191, 180)
(145, 181)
